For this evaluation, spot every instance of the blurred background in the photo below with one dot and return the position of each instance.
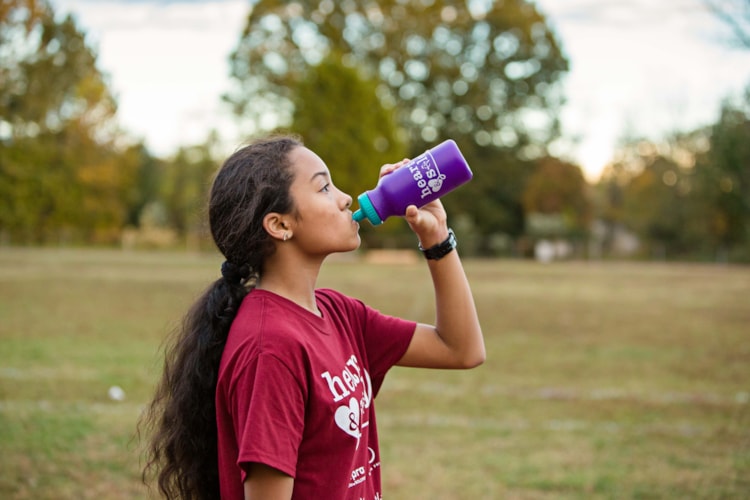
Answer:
(594, 129)
(608, 138)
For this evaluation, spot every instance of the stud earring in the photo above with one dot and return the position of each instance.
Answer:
(286, 236)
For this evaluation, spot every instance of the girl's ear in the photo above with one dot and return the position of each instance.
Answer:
(276, 226)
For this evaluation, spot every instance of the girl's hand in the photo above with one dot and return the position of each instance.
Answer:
(429, 222)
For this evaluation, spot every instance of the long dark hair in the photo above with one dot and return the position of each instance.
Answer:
(182, 451)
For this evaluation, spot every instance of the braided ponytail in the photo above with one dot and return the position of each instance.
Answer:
(182, 451)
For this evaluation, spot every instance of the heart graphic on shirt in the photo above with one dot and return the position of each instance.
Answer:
(347, 418)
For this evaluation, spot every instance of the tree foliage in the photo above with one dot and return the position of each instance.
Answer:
(558, 189)
(490, 205)
(452, 69)
(723, 177)
(364, 83)
(484, 73)
(690, 196)
(655, 205)
(185, 187)
(59, 175)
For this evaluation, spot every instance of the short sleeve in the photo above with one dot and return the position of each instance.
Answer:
(386, 339)
(382, 338)
(269, 405)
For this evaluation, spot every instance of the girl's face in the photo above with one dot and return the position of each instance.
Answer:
(324, 223)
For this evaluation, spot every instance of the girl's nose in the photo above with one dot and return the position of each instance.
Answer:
(346, 198)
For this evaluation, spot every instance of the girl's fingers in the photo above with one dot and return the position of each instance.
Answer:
(390, 167)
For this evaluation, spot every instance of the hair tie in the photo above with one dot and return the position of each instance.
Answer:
(234, 274)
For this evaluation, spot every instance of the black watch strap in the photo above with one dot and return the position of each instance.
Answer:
(437, 252)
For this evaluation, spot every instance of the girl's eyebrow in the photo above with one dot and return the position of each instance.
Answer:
(323, 173)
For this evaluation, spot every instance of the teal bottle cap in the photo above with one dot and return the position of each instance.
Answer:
(366, 210)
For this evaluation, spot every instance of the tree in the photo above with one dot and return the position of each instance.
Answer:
(185, 187)
(659, 203)
(557, 189)
(471, 71)
(455, 69)
(59, 174)
(723, 176)
(148, 180)
(490, 205)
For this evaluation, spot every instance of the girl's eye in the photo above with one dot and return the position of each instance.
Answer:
(326, 188)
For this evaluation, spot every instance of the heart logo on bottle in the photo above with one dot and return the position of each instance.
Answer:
(436, 183)
(347, 418)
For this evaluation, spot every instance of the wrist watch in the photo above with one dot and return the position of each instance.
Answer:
(437, 252)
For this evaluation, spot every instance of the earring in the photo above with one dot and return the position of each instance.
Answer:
(286, 236)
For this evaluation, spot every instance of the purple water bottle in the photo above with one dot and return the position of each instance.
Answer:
(427, 177)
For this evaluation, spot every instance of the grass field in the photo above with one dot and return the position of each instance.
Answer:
(603, 380)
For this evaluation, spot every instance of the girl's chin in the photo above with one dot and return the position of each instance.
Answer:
(356, 245)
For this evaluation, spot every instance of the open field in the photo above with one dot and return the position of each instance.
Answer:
(605, 380)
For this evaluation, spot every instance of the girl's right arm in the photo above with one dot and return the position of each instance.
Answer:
(266, 483)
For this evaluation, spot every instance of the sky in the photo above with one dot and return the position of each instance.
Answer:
(637, 67)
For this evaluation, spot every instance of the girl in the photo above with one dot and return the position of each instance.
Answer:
(268, 387)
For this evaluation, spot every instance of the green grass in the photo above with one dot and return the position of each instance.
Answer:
(603, 380)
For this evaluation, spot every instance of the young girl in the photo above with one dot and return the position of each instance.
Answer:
(268, 388)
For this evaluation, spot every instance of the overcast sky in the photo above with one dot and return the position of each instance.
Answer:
(641, 67)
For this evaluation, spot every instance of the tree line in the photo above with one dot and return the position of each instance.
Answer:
(363, 84)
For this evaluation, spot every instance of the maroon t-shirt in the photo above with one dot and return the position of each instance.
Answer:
(295, 392)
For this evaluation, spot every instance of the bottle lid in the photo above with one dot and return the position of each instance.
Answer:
(366, 210)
